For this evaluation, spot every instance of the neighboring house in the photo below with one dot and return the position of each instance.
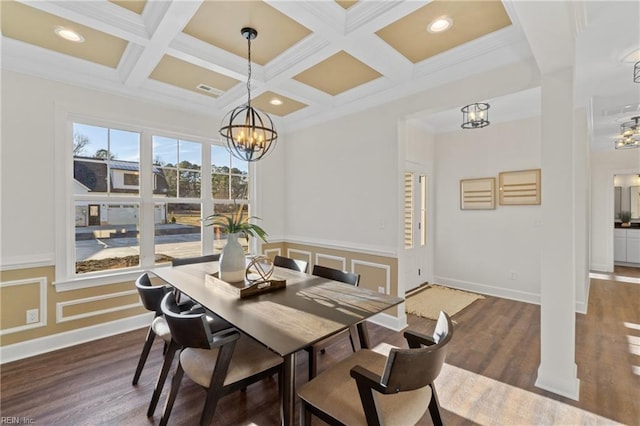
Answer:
(98, 175)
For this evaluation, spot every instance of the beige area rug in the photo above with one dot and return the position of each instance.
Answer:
(429, 302)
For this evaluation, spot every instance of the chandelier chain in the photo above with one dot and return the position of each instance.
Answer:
(249, 72)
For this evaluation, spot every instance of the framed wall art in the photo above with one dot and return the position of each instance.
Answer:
(478, 194)
(520, 188)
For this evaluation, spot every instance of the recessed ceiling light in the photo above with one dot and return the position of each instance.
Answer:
(633, 56)
(275, 101)
(69, 35)
(440, 24)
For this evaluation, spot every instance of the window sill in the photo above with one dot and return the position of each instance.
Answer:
(78, 283)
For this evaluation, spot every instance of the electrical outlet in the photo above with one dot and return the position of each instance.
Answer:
(513, 275)
(382, 290)
(32, 316)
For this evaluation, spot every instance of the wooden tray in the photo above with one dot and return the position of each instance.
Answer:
(244, 289)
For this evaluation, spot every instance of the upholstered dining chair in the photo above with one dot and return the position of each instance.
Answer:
(347, 278)
(213, 322)
(221, 362)
(294, 264)
(151, 297)
(393, 390)
(189, 261)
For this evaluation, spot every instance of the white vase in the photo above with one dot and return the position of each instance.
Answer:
(232, 260)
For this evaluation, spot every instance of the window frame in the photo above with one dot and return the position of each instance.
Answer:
(65, 276)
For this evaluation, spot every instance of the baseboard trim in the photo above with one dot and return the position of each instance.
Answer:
(66, 339)
(568, 387)
(520, 296)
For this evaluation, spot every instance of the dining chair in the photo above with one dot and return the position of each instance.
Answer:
(179, 261)
(220, 362)
(287, 262)
(347, 278)
(213, 322)
(396, 389)
(151, 297)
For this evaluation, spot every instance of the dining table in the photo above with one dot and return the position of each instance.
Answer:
(286, 320)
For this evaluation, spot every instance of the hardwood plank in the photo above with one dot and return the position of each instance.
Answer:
(495, 340)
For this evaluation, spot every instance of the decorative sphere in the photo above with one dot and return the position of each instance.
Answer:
(260, 269)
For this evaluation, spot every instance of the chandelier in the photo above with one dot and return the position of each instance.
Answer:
(629, 134)
(475, 116)
(248, 132)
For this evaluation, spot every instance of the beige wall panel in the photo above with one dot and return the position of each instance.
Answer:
(271, 249)
(55, 297)
(330, 262)
(14, 302)
(371, 277)
(97, 305)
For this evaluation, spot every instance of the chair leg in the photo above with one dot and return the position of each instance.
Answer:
(143, 356)
(162, 377)
(175, 385)
(434, 407)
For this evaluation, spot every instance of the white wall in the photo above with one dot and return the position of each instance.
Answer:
(28, 168)
(353, 161)
(604, 165)
(479, 249)
(341, 183)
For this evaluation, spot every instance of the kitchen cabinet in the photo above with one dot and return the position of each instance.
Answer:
(626, 245)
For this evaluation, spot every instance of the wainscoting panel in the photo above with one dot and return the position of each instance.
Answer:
(18, 296)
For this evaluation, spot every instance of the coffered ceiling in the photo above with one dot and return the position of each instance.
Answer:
(319, 59)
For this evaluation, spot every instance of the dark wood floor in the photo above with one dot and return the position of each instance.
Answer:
(90, 384)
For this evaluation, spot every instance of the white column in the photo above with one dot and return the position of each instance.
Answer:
(557, 371)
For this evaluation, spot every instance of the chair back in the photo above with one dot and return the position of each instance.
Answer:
(199, 259)
(287, 262)
(415, 368)
(336, 275)
(150, 295)
(188, 330)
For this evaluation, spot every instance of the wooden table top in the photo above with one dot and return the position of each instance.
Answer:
(287, 320)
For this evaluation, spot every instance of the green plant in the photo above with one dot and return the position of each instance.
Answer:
(236, 222)
(625, 216)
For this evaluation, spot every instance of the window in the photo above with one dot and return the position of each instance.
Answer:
(139, 197)
(131, 179)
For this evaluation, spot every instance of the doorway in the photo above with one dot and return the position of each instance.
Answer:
(626, 224)
(94, 214)
(416, 235)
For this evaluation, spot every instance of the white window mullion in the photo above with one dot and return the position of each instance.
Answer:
(207, 200)
(147, 205)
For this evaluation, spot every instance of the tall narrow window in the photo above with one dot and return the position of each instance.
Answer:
(177, 168)
(408, 210)
(106, 198)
